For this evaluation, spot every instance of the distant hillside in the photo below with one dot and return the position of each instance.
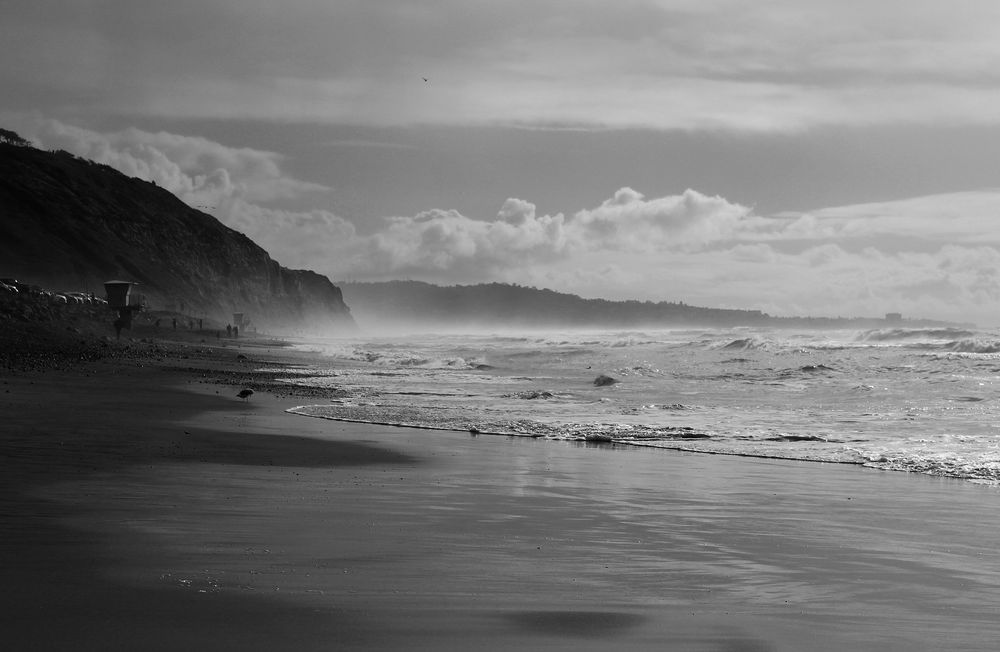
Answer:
(71, 224)
(393, 303)
(414, 302)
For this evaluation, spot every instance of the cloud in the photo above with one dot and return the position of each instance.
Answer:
(233, 184)
(917, 224)
(199, 171)
(438, 241)
(780, 66)
(317, 240)
(629, 221)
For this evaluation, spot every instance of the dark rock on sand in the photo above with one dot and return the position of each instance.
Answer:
(604, 381)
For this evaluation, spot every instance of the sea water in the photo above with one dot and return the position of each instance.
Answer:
(922, 400)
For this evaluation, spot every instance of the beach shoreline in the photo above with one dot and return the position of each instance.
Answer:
(146, 506)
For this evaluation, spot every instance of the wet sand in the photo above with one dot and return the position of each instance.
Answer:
(145, 510)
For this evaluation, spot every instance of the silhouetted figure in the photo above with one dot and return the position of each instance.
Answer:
(174, 322)
(199, 325)
(119, 325)
(229, 330)
(157, 323)
(236, 331)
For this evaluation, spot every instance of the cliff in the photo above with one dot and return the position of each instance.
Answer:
(71, 224)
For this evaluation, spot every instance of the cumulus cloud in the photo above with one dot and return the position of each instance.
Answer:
(631, 222)
(445, 240)
(439, 241)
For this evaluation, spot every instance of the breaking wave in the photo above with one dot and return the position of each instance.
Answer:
(745, 344)
(898, 334)
(973, 346)
(916, 400)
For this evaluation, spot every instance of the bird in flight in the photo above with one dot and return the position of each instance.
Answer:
(424, 78)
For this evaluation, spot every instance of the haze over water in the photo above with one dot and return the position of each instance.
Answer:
(901, 399)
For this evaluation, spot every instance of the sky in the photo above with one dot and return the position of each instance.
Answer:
(800, 157)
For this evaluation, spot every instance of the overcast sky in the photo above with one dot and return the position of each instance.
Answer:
(801, 157)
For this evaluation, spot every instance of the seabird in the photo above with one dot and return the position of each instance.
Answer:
(245, 394)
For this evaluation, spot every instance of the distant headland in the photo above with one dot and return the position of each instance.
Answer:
(416, 303)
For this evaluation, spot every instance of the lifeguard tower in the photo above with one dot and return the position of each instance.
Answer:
(121, 299)
(240, 322)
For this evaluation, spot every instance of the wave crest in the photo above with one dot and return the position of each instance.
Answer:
(900, 334)
(973, 346)
(744, 344)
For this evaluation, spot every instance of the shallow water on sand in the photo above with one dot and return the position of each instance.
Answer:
(505, 543)
(902, 399)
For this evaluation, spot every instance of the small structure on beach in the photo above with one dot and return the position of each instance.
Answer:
(121, 299)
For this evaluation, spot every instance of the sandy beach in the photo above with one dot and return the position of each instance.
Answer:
(146, 507)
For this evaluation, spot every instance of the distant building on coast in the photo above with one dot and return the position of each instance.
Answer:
(894, 317)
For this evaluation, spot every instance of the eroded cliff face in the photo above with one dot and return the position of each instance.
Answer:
(73, 224)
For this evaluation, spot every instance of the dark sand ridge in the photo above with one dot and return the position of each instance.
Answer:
(143, 510)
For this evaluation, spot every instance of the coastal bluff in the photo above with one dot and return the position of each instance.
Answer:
(72, 224)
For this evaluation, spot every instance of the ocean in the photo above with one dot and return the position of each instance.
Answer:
(917, 400)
